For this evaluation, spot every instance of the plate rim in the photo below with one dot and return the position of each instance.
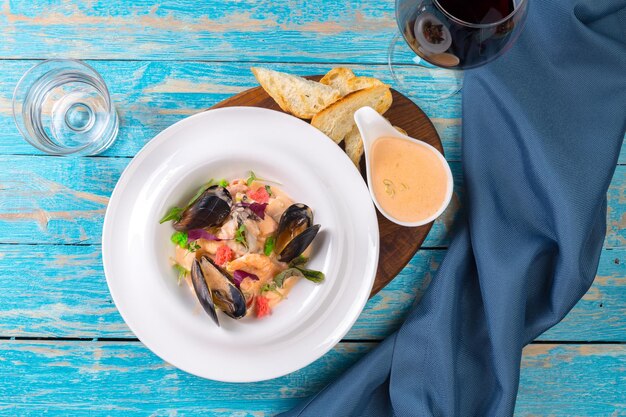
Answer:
(122, 183)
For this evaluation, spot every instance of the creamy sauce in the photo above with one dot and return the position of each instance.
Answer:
(408, 180)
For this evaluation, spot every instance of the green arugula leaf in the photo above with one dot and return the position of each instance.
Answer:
(270, 242)
(174, 213)
(269, 190)
(180, 239)
(271, 286)
(299, 261)
(240, 235)
(200, 191)
(280, 278)
(251, 178)
(312, 275)
(182, 272)
(193, 246)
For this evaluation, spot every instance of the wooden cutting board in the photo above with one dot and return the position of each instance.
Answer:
(397, 244)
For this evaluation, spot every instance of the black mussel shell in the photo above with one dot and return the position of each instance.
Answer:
(298, 244)
(225, 294)
(296, 219)
(210, 209)
(203, 292)
(295, 232)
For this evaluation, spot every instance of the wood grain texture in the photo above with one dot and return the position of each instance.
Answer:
(151, 96)
(60, 291)
(397, 244)
(228, 30)
(156, 59)
(63, 201)
(122, 378)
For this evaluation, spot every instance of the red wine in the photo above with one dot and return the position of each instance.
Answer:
(461, 34)
(478, 11)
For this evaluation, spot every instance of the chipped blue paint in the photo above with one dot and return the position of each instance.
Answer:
(64, 294)
(124, 378)
(165, 62)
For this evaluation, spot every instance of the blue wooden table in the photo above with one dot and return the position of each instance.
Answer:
(63, 346)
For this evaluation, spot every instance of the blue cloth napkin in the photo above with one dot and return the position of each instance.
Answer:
(542, 131)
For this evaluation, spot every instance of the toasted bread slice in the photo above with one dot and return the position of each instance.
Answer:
(354, 145)
(338, 78)
(344, 80)
(337, 120)
(296, 95)
(359, 83)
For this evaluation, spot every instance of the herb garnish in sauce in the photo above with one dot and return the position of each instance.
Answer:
(270, 242)
(174, 213)
(246, 245)
(182, 272)
(389, 187)
(180, 239)
(240, 235)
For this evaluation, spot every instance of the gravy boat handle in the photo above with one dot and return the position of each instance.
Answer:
(372, 126)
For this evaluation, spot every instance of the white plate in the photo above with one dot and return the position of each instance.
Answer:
(227, 143)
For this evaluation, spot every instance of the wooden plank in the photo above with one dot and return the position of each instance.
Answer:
(151, 96)
(232, 30)
(598, 316)
(123, 378)
(63, 200)
(616, 209)
(54, 199)
(119, 378)
(60, 291)
(572, 380)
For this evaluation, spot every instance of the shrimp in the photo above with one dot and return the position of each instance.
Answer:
(209, 246)
(237, 187)
(260, 265)
(277, 205)
(267, 226)
(183, 257)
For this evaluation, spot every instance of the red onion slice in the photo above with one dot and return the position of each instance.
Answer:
(195, 234)
(239, 275)
(256, 208)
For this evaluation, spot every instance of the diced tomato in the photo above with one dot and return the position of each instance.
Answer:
(224, 254)
(262, 306)
(259, 195)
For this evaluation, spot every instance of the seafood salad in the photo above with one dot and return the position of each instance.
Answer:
(241, 246)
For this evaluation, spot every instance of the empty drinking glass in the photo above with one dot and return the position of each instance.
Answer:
(63, 107)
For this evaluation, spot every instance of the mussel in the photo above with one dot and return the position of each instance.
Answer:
(210, 209)
(216, 290)
(295, 232)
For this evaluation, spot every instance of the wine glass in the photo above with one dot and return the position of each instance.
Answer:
(447, 36)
